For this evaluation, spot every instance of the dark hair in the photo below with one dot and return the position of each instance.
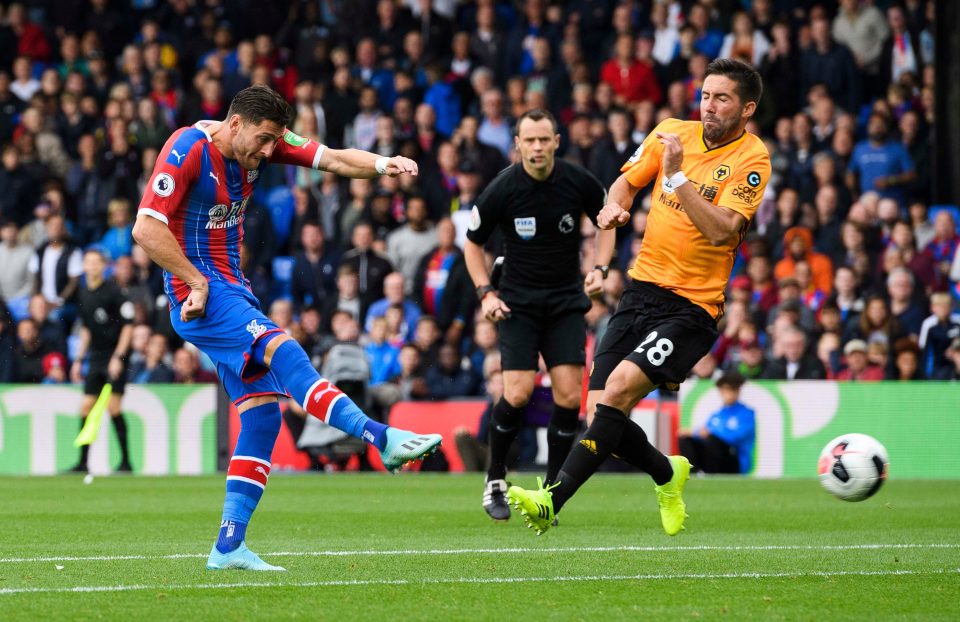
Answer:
(258, 103)
(749, 84)
(537, 114)
(731, 379)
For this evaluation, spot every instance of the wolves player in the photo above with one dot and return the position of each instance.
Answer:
(667, 317)
(190, 222)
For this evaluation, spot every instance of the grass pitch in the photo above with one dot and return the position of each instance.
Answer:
(419, 547)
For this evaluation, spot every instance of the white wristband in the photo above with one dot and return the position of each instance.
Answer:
(670, 184)
(381, 165)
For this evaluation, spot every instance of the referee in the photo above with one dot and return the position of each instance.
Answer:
(105, 335)
(540, 305)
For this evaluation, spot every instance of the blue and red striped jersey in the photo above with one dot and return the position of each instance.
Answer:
(201, 196)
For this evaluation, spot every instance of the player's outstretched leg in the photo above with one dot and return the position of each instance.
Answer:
(246, 481)
(536, 506)
(669, 474)
(326, 402)
(673, 511)
(561, 434)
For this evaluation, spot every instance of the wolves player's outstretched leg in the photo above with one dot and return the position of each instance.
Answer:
(246, 480)
(323, 400)
(561, 433)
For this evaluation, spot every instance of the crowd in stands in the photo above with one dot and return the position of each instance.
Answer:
(850, 270)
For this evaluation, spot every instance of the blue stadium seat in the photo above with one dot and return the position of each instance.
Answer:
(282, 275)
(280, 203)
(73, 345)
(953, 209)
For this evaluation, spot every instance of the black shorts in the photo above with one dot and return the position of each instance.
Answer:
(662, 333)
(549, 322)
(97, 377)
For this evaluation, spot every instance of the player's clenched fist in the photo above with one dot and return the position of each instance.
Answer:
(672, 153)
(195, 305)
(397, 165)
(612, 215)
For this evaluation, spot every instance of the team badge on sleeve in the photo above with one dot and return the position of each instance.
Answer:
(636, 155)
(294, 140)
(474, 219)
(163, 185)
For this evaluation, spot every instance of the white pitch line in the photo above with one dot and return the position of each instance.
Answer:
(494, 551)
(471, 580)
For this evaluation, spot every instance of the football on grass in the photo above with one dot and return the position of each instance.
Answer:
(852, 467)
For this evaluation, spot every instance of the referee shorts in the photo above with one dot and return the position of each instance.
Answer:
(97, 377)
(549, 322)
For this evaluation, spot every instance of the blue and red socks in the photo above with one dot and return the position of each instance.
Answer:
(248, 472)
(320, 397)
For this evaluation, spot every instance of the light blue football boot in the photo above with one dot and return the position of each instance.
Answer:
(403, 447)
(241, 558)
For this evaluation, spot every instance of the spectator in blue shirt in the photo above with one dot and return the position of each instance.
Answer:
(383, 356)
(709, 41)
(393, 286)
(118, 240)
(725, 443)
(879, 164)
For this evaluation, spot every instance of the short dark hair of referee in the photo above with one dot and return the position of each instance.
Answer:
(106, 333)
(536, 205)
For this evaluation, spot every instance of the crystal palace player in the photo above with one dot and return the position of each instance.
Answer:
(708, 179)
(190, 222)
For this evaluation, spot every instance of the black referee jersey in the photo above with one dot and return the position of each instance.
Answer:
(539, 221)
(104, 312)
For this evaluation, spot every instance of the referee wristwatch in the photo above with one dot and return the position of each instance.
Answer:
(483, 290)
(604, 270)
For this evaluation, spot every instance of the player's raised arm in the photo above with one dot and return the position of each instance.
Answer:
(636, 173)
(716, 222)
(616, 212)
(359, 163)
(303, 151)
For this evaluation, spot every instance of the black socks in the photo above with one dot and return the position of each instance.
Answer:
(561, 433)
(600, 440)
(504, 425)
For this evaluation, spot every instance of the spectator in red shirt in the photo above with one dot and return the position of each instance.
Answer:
(30, 38)
(187, 370)
(858, 367)
(943, 246)
(632, 81)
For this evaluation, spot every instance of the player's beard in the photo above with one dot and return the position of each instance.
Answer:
(720, 129)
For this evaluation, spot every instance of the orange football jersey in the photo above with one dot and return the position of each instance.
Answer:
(674, 254)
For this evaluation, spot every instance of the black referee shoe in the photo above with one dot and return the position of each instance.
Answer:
(495, 500)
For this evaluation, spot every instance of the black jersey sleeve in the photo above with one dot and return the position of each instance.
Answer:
(126, 309)
(488, 208)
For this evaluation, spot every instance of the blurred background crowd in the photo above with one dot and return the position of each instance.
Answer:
(849, 271)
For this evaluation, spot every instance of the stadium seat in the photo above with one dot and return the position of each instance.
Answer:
(73, 346)
(279, 202)
(282, 275)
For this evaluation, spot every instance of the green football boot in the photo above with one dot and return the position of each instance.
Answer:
(673, 511)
